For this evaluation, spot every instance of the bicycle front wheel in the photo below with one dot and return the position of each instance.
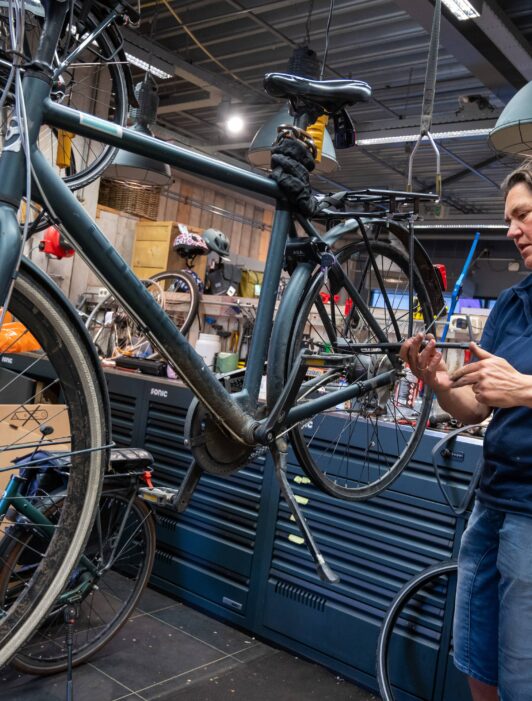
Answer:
(417, 606)
(119, 557)
(64, 410)
(93, 83)
(355, 450)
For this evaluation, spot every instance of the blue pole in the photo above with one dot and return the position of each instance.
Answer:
(457, 289)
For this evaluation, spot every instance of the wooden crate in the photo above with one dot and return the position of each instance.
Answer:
(153, 251)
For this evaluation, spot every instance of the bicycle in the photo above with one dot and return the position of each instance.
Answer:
(353, 371)
(112, 573)
(115, 333)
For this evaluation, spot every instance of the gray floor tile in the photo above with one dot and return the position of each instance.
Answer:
(221, 636)
(147, 651)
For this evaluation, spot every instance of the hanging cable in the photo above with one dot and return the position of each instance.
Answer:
(308, 22)
(327, 32)
(427, 108)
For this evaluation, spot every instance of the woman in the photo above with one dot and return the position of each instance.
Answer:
(493, 616)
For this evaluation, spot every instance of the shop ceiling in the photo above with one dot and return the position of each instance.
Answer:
(217, 50)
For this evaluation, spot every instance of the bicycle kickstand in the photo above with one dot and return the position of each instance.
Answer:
(71, 614)
(279, 453)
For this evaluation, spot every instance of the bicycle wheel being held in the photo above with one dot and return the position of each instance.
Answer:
(331, 352)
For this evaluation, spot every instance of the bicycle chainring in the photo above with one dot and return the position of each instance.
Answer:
(215, 451)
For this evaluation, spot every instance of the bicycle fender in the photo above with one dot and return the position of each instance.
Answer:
(41, 279)
(282, 329)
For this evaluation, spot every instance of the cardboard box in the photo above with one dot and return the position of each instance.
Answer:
(19, 431)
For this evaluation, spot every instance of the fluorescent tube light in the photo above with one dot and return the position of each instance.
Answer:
(148, 67)
(403, 138)
(461, 9)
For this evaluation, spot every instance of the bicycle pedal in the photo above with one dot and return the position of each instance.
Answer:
(160, 496)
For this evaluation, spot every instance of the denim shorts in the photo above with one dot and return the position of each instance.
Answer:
(493, 614)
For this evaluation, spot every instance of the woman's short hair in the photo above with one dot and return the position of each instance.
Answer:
(523, 174)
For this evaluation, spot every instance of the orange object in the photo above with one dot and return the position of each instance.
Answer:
(146, 476)
(15, 338)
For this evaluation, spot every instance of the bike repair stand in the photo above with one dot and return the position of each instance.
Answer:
(71, 614)
(280, 454)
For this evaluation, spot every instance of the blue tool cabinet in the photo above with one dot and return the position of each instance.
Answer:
(236, 554)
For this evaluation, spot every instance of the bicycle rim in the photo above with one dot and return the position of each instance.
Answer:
(121, 548)
(94, 83)
(182, 297)
(355, 450)
(415, 605)
(38, 337)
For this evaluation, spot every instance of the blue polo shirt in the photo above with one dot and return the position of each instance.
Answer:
(506, 478)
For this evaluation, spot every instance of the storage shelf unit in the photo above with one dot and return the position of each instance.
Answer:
(233, 552)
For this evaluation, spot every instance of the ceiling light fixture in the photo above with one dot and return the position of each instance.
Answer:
(403, 138)
(131, 167)
(461, 9)
(157, 72)
(235, 124)
(513, 131)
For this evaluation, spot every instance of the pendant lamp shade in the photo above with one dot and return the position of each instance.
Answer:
(259, 152)
(513, 131)
(130, 167)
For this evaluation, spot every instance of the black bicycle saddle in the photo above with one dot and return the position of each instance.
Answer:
(330, 95)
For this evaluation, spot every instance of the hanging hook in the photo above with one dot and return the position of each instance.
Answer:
(427, 108)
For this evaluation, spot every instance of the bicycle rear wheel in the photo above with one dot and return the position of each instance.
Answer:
(121, 549)
(419, 606)
(355, 450)
(41, 337)
(93, 83)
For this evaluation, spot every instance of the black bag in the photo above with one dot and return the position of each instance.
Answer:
(224, 280)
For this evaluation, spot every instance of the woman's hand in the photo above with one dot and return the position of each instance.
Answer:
(426, 363)
(494, 381)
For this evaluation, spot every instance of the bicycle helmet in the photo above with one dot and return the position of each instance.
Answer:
(217, 241)
(188, 245)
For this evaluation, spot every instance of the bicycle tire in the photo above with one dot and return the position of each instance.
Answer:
(378, 434)
(75, 393)
(400, 602)
(94, 84)
(105, 608)
(187, 285)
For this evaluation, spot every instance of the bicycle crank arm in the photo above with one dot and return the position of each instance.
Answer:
(279, 454)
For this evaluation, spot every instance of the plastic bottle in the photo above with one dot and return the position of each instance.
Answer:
(208, 345)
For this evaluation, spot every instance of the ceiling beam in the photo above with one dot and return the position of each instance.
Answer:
(152, 52)
(480, 46)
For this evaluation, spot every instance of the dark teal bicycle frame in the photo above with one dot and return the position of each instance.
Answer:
(233, 411)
